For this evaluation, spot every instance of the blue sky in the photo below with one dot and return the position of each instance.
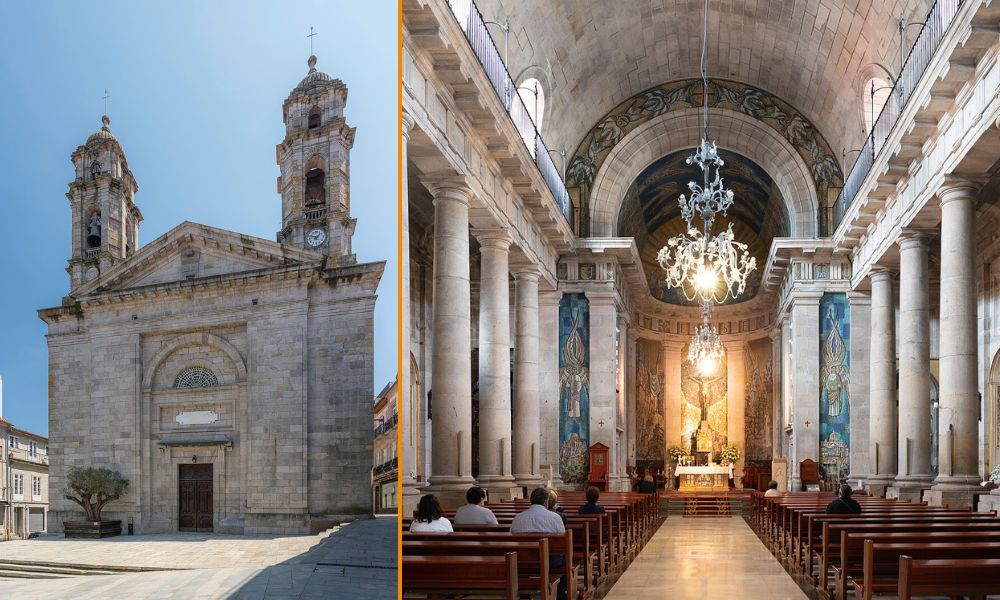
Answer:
(196, 91)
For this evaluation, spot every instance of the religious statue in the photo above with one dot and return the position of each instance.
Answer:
(573, 375)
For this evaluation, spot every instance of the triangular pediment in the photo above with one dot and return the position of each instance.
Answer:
(193, 252)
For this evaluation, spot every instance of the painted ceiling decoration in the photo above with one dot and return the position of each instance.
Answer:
(685, 94)
(651, 215)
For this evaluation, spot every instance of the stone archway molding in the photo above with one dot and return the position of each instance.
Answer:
(680, 129)
(194, 339)
(755, 103)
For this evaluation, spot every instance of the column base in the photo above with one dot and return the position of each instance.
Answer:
(876, 486)
(988, 502)
(909, 487)
(450, 491)
(856, 480)
(411, 496)
(529, 482)
(500, 487)
(954, 497)
(618, 483)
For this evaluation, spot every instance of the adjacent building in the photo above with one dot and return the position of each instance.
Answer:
(385, 472)
(24, 488)
(228, 377)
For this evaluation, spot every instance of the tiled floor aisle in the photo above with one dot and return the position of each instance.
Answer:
(705, 559)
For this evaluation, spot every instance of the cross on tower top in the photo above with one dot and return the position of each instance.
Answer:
(311, 35)
(106, 97)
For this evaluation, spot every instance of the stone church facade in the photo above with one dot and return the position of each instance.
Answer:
(228, 377)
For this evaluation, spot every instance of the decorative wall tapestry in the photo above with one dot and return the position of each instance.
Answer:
(834, 391)
(704, 406)
(759, 399)
(650, 445)
(574, 387)
(688, 93)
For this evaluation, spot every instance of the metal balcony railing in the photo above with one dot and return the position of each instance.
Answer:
(935, 26)
(472, 23)
(386, 426)
(387, 467)
(24, 455)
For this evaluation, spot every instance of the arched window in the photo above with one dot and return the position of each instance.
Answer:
(196, 377)
(315, 117)
(315, 186)
(95, 170)
(533, 97)
(873, 103)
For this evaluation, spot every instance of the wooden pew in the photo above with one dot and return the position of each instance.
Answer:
(881, 566)
(852, 545)
(971, 577)
(425, 576)
(533, 573)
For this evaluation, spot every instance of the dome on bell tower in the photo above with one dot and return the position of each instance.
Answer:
(104, 133)
(313, 78)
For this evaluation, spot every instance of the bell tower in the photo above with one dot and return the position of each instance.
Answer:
(314, 159)
(102, 201)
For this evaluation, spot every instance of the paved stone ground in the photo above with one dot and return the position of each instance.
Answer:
(357, 560)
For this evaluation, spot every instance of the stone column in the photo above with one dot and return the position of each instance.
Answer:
(451, 361)
(408, 406)
(914, 443)
(860, 306)
(527, 424)
(494, 364)
(621, 387)
(548, 384)
(958, 442)
(882, 383)
(805, 381)
(736, 383)
(672, 361)
(630, 398)
(603, 360)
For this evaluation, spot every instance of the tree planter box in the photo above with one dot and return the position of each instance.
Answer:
(92, 529)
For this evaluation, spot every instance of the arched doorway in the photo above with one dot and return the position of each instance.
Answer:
(992, 453)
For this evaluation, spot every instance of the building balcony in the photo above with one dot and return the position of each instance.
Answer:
(387, 426)
(386, 468)
(23, 455)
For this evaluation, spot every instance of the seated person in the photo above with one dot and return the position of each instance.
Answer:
(429, 517)
(553, 505)
(591, 507)
(474, 513)
(538, 518)
(541, 517)
(772, 490)
(647, 485)
(844, 504)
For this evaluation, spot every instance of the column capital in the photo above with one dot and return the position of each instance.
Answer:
(601, 297)
(879, 273)
(734, 346)
(957, 188)
(912, 238)
(496, 239)
(527, 272)
(406, 122)
(450, 188)
(672, 345)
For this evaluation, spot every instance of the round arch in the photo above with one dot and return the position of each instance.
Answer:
(683, 129)
(194, 339)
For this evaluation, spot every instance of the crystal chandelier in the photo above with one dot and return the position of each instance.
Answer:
(707, 268)
(705, 349)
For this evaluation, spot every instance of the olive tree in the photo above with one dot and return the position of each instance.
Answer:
(92, 488)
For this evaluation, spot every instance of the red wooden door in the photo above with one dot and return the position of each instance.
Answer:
(195, 502)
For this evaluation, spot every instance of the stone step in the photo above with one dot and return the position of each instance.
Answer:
(5, 575)
(106, 569)
(26, 569)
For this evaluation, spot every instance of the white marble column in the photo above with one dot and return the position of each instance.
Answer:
(736, 404)
(777, 417)
(408, 406)
(882, 382)
(958, 445)
(860, 353)
(451, 361)
(494, 363)
(914, 443)
(527, 422)
(631, 370)
(621, 387)
(548, 384)
(805, 381)
(672, 361)
(603, 360)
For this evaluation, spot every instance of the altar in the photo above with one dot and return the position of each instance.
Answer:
(704, 479)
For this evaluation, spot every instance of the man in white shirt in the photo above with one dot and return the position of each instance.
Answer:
(538, 518)
(772, 490)
(474, 513)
